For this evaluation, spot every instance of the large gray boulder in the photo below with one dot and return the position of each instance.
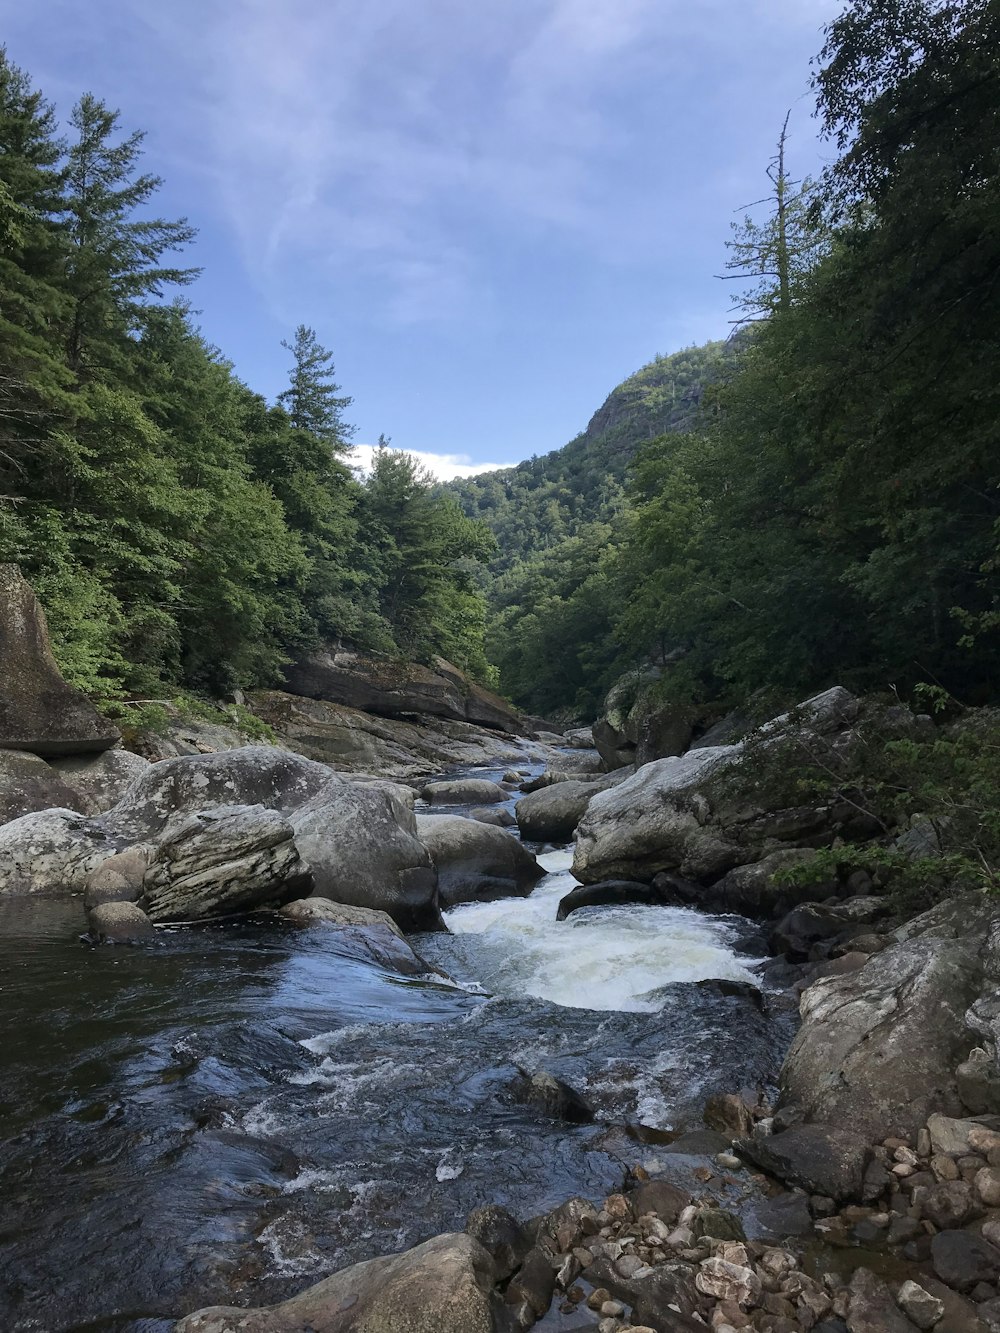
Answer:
(52, 852)
(29, 784)
(476, 862)
(39, 711)
(443, 1286)
(700, 813)
(878, 1048)
(253, 775)
(552, 813)
(99, 781)
(823, 1159)
(384, 685)
(362, 847)
(221, 861)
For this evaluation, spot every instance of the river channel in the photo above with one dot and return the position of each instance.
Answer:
(236, 1111)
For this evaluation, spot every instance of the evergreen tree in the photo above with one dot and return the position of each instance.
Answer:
(115, 257)
(311, 399)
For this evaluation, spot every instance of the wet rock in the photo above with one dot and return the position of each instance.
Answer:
(803, 927)
(39, 711)
(919, 1305)
(978, 1080)
(784, 1216)
(699, 1143)
(442, 1286)
(119, 923)
(552, 1096)
(501, 1235)
(822, 1158)
(533, 1284)
(717, 1224)
(728, 1113)
(223, 860)
(476, 862)
(322, 911)
(119, 878)
(961, 1259)
(610, 893)
(100, 780)
(872, 1308)
(661, 1197)
(879, 1047)
(552, 813)
(362, 848)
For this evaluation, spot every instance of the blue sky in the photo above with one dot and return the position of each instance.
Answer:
(492, 211)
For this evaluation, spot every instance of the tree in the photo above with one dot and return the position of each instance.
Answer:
(311, 399)
(115, 256)
(775, 254)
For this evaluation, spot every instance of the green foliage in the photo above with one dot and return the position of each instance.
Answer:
(311, 399)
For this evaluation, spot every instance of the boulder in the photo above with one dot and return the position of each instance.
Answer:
(361, 932)
(253, 775)
(497, 815)
(877, 1049)
(28, 784)
(362, 847)
(476, 862)
(445, 1285)
(552, 1096)
(463, 791)
(118, 879)
(704, 812)
(119, 923)
(872, 1308)
(962, 1259)
(501, 1235)
(611, 893)
(39, 711)
(100, 781)
(752, 890)
(822, 1158)
(52, 851)
(222, 860)
(552, 813)
(383, 685)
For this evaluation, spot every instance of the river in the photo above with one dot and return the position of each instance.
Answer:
(237, 1110)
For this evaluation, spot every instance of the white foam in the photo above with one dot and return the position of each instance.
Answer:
(609, 958)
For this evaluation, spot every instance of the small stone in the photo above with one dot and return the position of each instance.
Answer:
(702, 1173)
(597, 1298)
(986, 1183)
(983, 1139)
(628, 1265)
(991, 1231)
(906, 1155)
(919, 1305)
(613, 1308)
(902, 1169)
(944, 1168)
(821, 1206)
(728, 1282)
(729, 1161)
(609, 1326)
(618, 1208)
(923, 1143)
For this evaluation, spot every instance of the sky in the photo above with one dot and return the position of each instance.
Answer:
(491, 211)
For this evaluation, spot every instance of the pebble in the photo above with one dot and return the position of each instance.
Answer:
(597, 1298)
(729, 1161)
(613, 1308)
(903, 1169)
(944, 1167)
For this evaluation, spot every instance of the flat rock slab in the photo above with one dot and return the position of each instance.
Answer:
(823, 1159)
(39, 711)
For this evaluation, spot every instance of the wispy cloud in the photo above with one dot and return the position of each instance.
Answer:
(445, 467)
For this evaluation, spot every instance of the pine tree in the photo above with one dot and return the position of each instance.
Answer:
(34, 380)
(311, 399)
(115, 259)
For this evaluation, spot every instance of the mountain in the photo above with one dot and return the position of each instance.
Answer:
(550, 497)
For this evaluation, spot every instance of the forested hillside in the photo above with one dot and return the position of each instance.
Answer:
(534, 506)
(182, 532)
(830, 510)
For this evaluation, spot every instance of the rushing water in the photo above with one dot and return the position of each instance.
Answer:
(235, 1111)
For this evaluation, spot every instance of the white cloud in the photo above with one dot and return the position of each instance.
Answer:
(445, 467)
